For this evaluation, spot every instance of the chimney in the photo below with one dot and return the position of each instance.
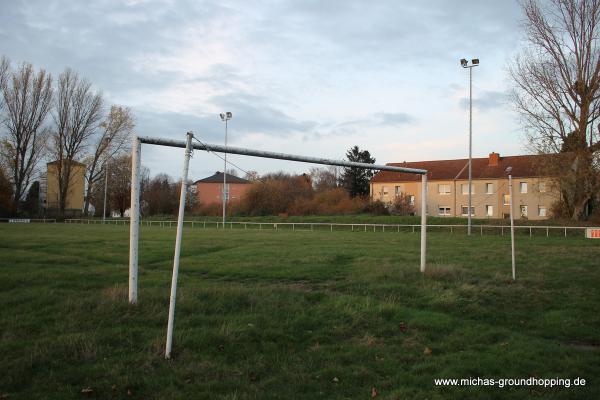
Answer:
(493, 160)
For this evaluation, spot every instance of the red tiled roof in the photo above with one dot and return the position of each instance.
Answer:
(522, 166)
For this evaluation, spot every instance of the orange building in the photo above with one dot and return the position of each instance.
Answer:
(210, 190)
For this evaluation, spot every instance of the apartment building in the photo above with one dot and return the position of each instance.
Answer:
(448, 187)
(75, 191)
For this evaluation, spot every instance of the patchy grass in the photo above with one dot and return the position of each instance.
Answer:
(298, 315)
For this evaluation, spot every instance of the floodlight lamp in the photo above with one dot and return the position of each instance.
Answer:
(222, 116)
(475, 61)
(508, 169)
(463, 62)
(229, 115)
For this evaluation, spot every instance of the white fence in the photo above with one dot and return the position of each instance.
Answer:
(28, 220)
(311, 226)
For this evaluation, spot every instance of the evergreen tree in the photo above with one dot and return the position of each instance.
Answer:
(356, 180)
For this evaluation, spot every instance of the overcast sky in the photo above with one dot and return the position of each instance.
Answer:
(309, 77)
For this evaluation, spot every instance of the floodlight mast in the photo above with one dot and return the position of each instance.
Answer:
(465, 64)
(225, 193)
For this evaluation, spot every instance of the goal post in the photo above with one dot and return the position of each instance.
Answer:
(189, 146)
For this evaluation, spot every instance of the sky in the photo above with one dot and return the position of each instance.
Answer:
(307, 77)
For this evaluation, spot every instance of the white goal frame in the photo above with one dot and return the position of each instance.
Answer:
(134, 225)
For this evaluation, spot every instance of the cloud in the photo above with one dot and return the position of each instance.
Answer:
(486, 101)
(291, 72)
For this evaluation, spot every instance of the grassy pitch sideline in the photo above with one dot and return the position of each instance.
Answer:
(280, 314)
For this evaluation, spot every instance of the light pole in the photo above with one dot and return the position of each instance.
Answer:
(465, 64)
(512, 222)
(225, 117)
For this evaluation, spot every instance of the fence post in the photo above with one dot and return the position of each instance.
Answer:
(423, 221)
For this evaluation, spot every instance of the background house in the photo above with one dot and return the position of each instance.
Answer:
(210, 190)
(75, 192)
(448, 187)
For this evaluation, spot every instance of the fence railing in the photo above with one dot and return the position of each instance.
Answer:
(28, 220)
(312, 226)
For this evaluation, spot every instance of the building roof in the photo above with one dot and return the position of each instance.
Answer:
(218, 178)
(72, 162)
(482, 168)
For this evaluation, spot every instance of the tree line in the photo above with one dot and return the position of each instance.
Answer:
(64, 120)
(321, 191)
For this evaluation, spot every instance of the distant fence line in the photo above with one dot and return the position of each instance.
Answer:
(28, 220)
(311, 226)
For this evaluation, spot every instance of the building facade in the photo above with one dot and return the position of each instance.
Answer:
(75, 191)
(210, 190)
(448, 184)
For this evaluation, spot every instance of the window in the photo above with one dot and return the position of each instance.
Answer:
(489, 188)
(489, 211)
(523, 187)
(398, 190)
(542, 187)
(464, 210)
(443, 189)
(541, 211)
(412, 200)
(384, 190)
(465, 188)
(506, 199)
(443, 210)
(523, 211)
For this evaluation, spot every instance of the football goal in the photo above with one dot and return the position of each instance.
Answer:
(189, 147)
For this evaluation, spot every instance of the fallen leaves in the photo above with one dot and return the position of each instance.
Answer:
(403, 327)
(374, 392)
(427, 351)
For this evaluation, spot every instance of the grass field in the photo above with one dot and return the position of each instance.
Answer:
(294, 315)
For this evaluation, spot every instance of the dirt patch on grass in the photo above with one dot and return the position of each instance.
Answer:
(115, 294)
(587, 345)
(443, 271)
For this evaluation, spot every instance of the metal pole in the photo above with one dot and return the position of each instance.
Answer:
(186, 163)
(134, 218)
(224, 194)
(105, 189)
(278, 156)
(423, 221)
(512, 226)
(470, 144)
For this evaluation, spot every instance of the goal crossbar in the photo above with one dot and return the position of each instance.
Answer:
(279, 156)
(134, 225)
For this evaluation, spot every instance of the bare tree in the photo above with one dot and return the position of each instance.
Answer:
(4, 68)
(27, 99)
(120, 183)
(557, 93)
(76, 116)
(112, 141)
(324, 178)
(251, 176)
